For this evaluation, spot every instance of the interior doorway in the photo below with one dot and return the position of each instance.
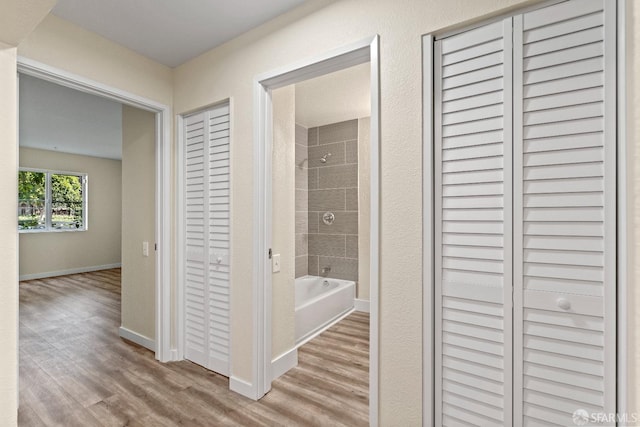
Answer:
(162, 169)
(340, 59)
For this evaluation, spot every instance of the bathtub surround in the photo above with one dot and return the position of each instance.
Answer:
(302, 196)
(333, 187)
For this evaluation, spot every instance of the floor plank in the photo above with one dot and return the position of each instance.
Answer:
(76, 371)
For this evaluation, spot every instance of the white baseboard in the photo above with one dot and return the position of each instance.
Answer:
(69, 271)
(174, 355)
(281, 364)
(137, 338)
(242, 387)
(362, 305)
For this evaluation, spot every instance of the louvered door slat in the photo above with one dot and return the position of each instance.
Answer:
(473, 228)
(207, 231)
(195, 311)
(218, 217)
(564, 212)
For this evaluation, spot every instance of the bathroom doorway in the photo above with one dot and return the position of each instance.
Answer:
(310, 208)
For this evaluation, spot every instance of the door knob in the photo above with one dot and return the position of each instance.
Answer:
(563, 303)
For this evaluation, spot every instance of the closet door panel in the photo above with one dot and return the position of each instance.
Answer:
(564, 212)
(207, 290)
(473, 227)
(196, 292)
(219, 233)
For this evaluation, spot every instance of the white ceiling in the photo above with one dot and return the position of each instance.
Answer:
(168, 31)
(335, 97)
(56, 118)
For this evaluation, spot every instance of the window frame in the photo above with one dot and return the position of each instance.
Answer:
(48, 203)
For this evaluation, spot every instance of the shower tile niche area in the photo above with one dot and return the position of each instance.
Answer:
(327, 183)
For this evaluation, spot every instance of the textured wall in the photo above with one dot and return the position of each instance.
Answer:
(283, 211)
(9, 240)
(138, 223)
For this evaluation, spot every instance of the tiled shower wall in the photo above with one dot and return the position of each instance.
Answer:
(302, 196)
(333, 187)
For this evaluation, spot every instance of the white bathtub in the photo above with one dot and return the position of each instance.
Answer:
(320, 302)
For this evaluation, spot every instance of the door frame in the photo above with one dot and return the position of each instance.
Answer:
(163, 237)
(364, 51)
(428, 274)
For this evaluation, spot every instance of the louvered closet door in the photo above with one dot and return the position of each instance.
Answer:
(195, 292)
(207, 292)
(473, 227)
(564, 212)
(219, 228)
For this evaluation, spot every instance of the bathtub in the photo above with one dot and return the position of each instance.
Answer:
(320, 302)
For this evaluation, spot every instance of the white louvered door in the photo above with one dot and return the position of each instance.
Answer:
(473, 227)
(525, 218)
(207, 231)
(564, 212)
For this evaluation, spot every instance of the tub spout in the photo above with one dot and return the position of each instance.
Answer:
(325, 271)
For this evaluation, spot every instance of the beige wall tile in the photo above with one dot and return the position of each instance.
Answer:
(343, 176)
(345, 223)
(301, 266)
(327, 244)
(327, 200)
(314, 218)
(341, 268)
(302, 200)
(352, 199)
(343, 131)
(336, 158)
(351, 152)
(312, 136)
(352, 247)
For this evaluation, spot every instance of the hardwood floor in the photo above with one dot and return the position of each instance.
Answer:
(76, 371)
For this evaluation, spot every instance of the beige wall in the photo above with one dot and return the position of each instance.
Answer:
(364, 207)
(66, 46)
(315, 28)
(99, 245)
(19, 18)
(283, 211)
(633, 202)
(9, 237)
(138, 221)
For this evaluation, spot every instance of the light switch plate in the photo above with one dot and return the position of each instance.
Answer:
(275, 263)
(145, 248)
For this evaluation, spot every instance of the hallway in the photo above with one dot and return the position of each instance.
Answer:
(76, 371)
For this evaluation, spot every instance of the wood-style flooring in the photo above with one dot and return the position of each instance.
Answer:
(76, 371)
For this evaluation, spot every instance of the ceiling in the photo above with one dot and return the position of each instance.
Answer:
(168, 31)
(57, 118)
(335, 97)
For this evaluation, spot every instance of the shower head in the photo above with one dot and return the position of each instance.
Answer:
(324, 158)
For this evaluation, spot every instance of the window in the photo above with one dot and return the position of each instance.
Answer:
(51, 201)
